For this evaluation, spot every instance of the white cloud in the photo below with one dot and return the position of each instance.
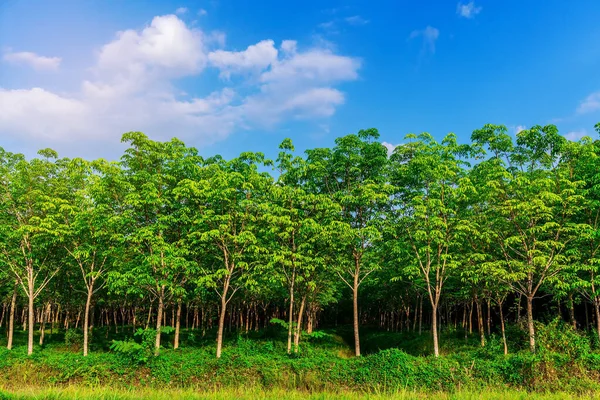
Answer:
(166, 46)
(202, 12)
(33, 60)
(256, 57)
(390, 147)
(132, 87)
(468, 10)
(181, 10)
(590, 104)
(356, 20)
(576, 135)
(520, 128)
(429, 35)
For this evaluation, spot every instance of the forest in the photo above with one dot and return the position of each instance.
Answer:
(438, 265)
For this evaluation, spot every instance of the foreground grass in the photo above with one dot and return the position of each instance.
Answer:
(395, 364)
(80, 393)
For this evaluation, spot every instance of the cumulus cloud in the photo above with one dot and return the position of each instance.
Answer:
(181, 10)
(33, 60)
(132, 86)
(590, 104)
(468, 10)
(255, 58)
(202, 12)
(519, 128)
(576, 135)
(429, 36)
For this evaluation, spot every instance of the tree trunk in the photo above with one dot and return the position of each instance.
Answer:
(572, 311)
(177, 325)
(480, 321)
(11, 318)
(290, 317)
(489, 318)
(355, 309)
(420, 315)
(434, 330)
(159, 317)
(221, 324)
(597, 309)
(3, 312)
(149, 316)
(86, 319)
(502, 328)
(42, 325)
(299, 325)
(530, 326)
(519, 308)
(30, 320)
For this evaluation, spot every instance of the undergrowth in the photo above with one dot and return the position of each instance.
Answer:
(567, 360)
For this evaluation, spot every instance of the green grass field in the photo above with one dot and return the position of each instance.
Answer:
(256, 366)
(79, 393)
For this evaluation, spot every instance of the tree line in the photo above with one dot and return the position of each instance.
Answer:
(167, 238)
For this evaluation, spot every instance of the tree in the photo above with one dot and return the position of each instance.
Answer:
(353, 174)
(31, 191)
(87, 225)
(223, 210)
(432, 190)
(154, 221)
(532, 199)
(294, 223)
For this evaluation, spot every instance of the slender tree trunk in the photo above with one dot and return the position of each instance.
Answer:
(86, 319)
(480, 321)
(291, 315)
(11, 318)
(471, 318)
(3, 313)
(222, 315)
(159, 317)
(149, 316)
(421, 315)
(355, 315)
(519, 308)
(299, 325)
(597, 309)
(177, 325)
(434, 330)
(30, 314)
(530, 326)
(572, 311)
(42, 325)
(489, 318)
(502, 328)
(221, 324)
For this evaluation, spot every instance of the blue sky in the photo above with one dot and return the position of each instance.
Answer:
(231, 76)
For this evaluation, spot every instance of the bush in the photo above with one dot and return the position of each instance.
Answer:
(74, 339)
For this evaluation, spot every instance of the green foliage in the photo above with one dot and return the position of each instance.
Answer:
(138, 351)
(73, 338)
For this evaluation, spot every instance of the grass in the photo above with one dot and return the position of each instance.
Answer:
(79, 393)
(395, 365)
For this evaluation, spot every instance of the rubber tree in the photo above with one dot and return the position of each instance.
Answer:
(223, 201)
(532, 198)
(154, 253)
(30, 193)
(431, 192)
(353, 173)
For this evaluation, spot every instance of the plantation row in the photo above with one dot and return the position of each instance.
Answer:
(436, 233)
